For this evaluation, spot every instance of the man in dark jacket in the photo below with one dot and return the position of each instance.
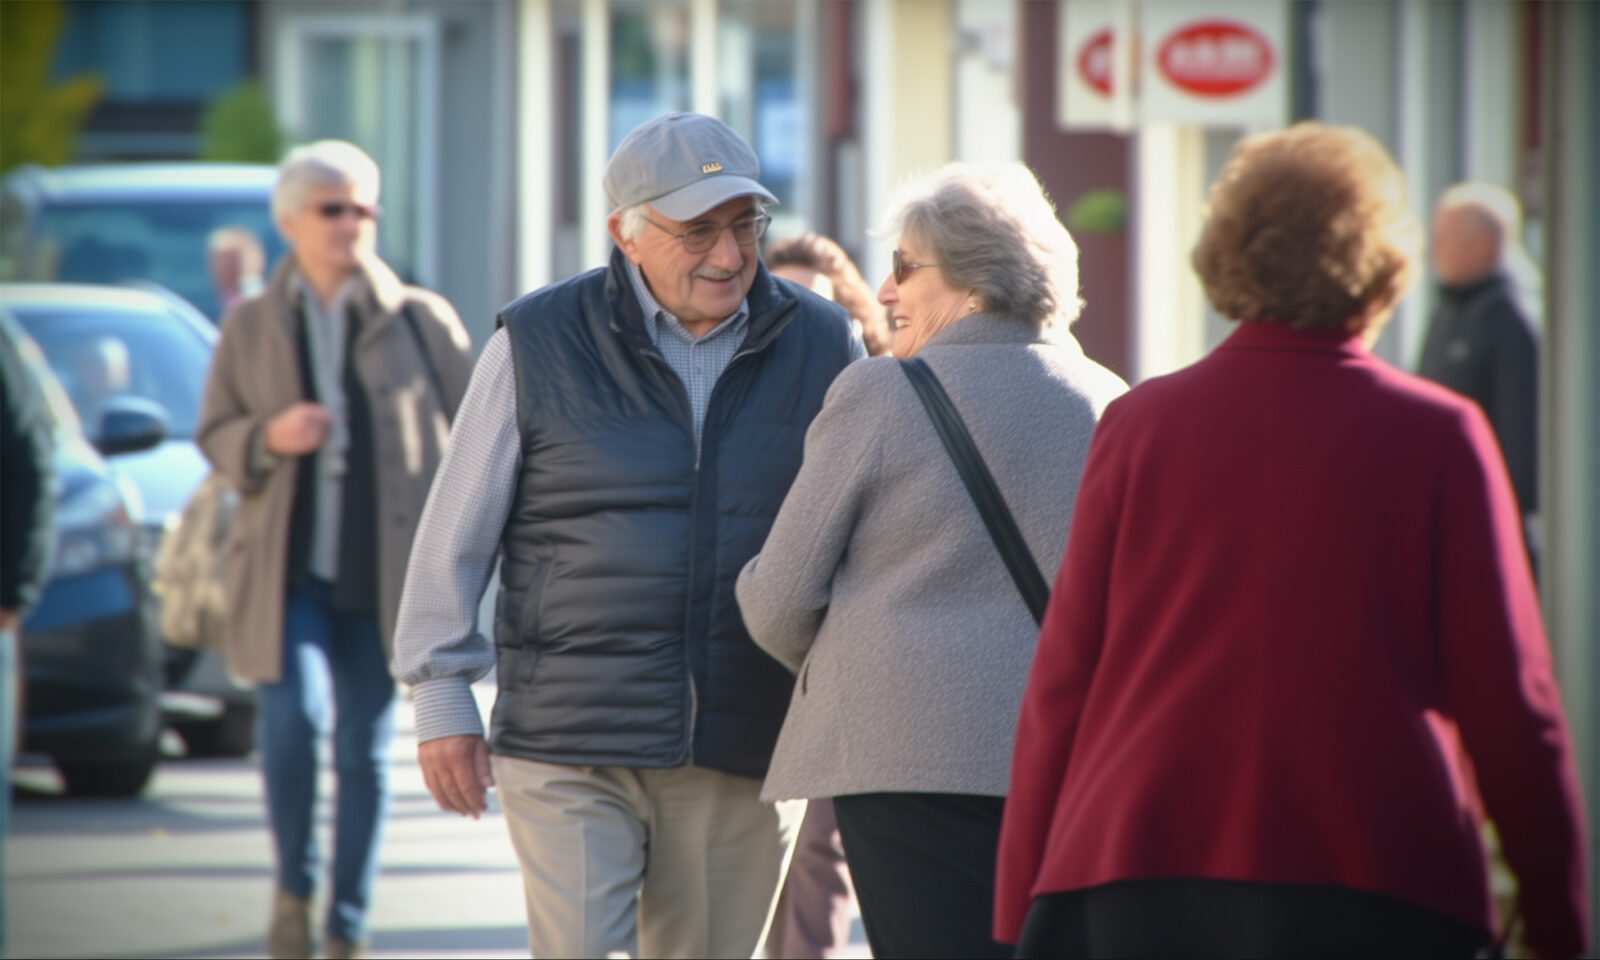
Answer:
(27, 494)
(624, 446)
(1483, 342)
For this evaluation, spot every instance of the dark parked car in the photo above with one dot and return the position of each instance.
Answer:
(148, 345)
(140, 221)
(92, 655)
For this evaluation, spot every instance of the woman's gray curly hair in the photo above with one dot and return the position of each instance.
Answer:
(992, 229)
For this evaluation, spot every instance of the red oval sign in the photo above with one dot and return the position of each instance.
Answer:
(1094, 61)
(1216, 58)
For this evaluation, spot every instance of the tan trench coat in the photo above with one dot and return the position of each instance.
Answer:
(255, 374)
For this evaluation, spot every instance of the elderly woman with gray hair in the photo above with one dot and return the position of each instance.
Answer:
(880, 584)
(327, 407)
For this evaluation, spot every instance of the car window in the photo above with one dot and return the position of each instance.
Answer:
(100, 352)
(63, 418)
(163, 241)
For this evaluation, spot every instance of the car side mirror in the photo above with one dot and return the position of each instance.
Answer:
(130, 424)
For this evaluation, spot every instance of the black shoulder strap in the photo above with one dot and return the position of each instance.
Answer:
(427, 357)
(981, 487)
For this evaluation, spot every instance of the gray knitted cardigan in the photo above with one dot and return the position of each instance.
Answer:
(879, 584)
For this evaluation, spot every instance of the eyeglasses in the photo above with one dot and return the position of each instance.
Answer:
(334, 209)
(703, 236)
(901, 268)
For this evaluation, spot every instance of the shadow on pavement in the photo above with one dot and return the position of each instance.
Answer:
(51, 813)
(427, 941)
(452, 939)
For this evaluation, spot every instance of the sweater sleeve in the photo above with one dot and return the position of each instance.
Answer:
(1064, 663)
(784, 591)
(1502, 691)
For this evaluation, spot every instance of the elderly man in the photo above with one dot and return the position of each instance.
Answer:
(327, 408)
(1483, 342)
(625, 443)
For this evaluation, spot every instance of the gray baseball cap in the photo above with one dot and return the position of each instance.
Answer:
(683, 164)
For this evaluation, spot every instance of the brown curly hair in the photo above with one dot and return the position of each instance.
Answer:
(1309, 227)
(813, 251)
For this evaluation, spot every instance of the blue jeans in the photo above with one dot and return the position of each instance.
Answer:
(334, 667)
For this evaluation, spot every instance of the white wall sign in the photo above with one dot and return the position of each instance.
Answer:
(1094, 49)
(1221, 64)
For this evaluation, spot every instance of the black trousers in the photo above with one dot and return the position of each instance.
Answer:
(1223, 918)
(923, 867)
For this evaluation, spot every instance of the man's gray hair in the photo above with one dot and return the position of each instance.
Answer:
(325, 163)
(1494, 207)
(1497, 210)
(992, 230)
(633, 218)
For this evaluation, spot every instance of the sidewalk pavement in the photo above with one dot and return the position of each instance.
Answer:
(185, 870)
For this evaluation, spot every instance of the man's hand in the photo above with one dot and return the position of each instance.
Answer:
(456, 770)
(298, 430)
(10, 621)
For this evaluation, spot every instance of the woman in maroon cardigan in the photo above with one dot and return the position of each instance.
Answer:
(1294, 639)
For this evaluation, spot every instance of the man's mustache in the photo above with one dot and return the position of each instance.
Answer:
(714, 273)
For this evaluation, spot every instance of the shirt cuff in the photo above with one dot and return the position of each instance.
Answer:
(445, 707)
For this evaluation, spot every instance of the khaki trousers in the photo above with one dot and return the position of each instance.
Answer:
(682, 862)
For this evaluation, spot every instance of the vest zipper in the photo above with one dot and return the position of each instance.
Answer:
(698, 438)
(694, 508)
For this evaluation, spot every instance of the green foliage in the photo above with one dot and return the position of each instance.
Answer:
(39, 118)
(239, 127)
(1099, 211)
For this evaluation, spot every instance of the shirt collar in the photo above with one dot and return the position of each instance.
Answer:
(1459, 293)
(656, 316)
(305, 299)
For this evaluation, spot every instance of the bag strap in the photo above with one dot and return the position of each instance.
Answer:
(427, 357)
(980, 486)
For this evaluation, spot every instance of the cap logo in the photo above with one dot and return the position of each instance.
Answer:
(711, 168)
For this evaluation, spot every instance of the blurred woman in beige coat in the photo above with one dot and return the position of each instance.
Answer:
(328, 408)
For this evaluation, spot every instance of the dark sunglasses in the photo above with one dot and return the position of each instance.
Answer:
(334, 209)
(901, 268)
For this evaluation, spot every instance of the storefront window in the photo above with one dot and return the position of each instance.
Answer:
(175, 50)
(649, 63)
(764, 92)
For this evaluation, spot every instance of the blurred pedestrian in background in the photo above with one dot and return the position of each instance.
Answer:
(880, 584)
(101, 369)
(812, 917)
(328, 408)
(237, 263)
(627, 439)
(1483, 341)
(821, 265)
(1293, 628)
(27, 497)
